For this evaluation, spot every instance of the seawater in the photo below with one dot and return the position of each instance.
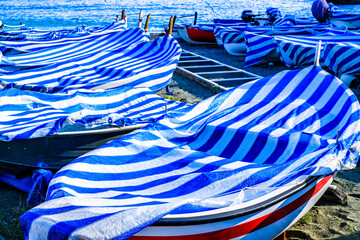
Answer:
(45, 14)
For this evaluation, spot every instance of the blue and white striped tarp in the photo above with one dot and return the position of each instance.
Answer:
(294, 51)
(339, 14)
(258, 47)
(225, 35)
(29, 33)
(145, 64)
(235, 34)
(228, 149)
(65, 38)
(342, 58)
(292, 20)
(300, 51)
(27, 114)
(86, 47)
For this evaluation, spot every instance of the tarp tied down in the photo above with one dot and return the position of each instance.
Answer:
(228, 149)
(104, 60)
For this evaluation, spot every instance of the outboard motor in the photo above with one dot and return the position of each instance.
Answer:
(247, 16)
(320, 10)
(274, 14)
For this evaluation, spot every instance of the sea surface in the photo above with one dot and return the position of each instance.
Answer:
(46, 14)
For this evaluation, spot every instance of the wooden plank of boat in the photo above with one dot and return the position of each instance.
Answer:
(52, 152)
(211, 73)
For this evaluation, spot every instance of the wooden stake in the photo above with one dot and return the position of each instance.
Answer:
(123, 14)
(140, 18)
(195, 20)
(171, 24)
(147, 23)
(334, 194)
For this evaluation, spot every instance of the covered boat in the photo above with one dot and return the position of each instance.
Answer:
(245, 163)
(199, 34)
(106, 63)
(22, 33)
(39, 130)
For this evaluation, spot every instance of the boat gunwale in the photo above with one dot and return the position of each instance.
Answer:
(238, 212)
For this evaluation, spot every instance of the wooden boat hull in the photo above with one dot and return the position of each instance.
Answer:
(264, 219)
(52, 152)
(197, 36)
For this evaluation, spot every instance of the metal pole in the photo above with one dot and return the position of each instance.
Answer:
(140, 19)
(317, 54)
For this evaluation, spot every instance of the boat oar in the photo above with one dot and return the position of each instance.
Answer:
(147, 23)
(140, 18)
(317, 54)
(195, 19)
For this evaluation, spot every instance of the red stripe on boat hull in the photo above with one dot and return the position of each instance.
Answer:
(200, 36)
(251, 226)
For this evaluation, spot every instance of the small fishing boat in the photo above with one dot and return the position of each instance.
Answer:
(325, 12)
(200, 34)
(246, 163)
(21, 157)
(39, 130)
(125, 58)
(263, 218)
(340, 17)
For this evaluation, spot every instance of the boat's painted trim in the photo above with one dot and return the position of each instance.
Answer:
(264, 224)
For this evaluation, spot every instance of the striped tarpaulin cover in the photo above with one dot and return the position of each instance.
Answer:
(65, 38)
(27, 114)
(343, 58)
(30, 32)
(292, 20)
(292, 47)
(145, 64)
(237, 34)
(85, 47)
(231, 148)
(299, 52)
(339, 14)
(24, 34)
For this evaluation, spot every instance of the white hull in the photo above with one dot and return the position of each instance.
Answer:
(236, 49)
(266, 222)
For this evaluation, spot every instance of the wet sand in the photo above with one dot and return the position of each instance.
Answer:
(326, 220)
